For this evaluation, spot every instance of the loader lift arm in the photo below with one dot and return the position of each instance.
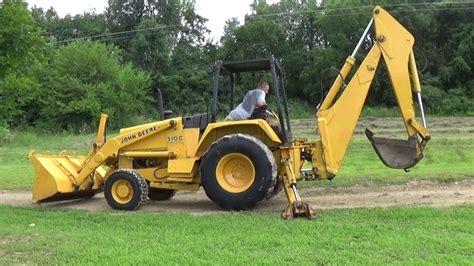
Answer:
(104, 150)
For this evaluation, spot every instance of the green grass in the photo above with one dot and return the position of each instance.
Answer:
(356, 236)
(17, 172)
(375, 236)
(445, 160)
(369, 111)
(449, 155)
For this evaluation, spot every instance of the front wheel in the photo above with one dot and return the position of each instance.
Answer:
(238, 171)
(125, 190)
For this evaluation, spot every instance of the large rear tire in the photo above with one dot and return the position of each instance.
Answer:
(276, 189)
(126, 190)
(238, 171)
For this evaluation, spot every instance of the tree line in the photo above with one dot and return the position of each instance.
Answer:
(62, 72)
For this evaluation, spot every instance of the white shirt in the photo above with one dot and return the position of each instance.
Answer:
(245, 109)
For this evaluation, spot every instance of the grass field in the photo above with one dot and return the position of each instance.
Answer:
(357, 236)
(449, 155)
(375, 236)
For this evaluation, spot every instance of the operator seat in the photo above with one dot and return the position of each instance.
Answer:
(197, 121)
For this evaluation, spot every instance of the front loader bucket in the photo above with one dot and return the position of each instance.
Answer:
(395, 153)
(55, 176)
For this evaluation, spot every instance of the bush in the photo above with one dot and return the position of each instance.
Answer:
(456, 103)
(433, 98)
(6, 135)
(300, 109)
(86, 78)
(17, 94)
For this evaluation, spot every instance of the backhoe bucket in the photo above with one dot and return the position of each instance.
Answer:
(55, 176)
(395, 153)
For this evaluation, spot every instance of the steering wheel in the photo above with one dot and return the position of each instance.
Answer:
(265, 113)
(271, 114)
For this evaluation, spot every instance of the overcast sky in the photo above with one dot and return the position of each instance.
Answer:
(217, 11)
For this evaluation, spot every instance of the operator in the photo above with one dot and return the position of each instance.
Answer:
(253, 99)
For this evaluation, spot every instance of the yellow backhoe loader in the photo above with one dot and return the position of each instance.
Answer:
(241, 163)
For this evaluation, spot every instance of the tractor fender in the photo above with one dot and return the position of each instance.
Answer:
(257, 128)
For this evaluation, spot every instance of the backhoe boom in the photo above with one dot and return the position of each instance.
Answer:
(337, 120)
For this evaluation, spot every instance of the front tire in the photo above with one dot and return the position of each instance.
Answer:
(238, 171)
(125, 190)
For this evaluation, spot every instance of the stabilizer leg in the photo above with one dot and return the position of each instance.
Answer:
(296, 207)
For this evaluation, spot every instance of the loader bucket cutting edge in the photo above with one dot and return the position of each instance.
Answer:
(55, 175)
(395, 153)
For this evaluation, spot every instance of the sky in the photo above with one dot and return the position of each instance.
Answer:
(216, 11)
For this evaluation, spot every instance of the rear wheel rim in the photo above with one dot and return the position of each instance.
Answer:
(122, 191)
(235, 172)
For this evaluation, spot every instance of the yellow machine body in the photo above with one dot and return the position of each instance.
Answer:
(161, 157)
(165, 153)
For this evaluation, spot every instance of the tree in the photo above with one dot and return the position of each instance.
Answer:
(229, 29)
(150, 50)
(175, 19)
(20, 48)
(62, 30)
(167, 39)
(312, 39)
(19, 38)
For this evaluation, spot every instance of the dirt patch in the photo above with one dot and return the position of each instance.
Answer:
(410, 194)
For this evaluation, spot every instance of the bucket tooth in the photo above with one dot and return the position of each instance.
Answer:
(395, 153)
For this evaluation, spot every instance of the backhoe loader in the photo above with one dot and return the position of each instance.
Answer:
(241, 163)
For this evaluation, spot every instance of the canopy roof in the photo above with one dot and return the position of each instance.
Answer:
(251, 65)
